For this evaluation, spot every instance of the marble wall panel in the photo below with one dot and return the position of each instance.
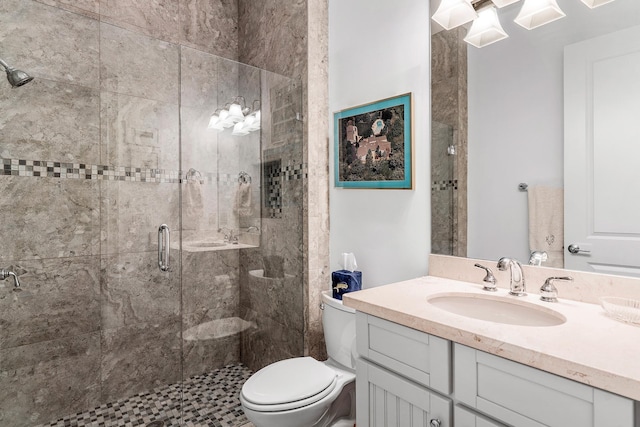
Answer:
(132, 213)
(136, 293)
(273, 35)
(139, 132)
(199, 79)
(140, 357)
(59, 218)
(60, 297)
(199, 143)
(50, 43)
(210, 284)
(44, 381)
(210, 25)
(89, 8)
(155, 18)
(204, 356)
(48, 120)
(269, 342)
(138, 65)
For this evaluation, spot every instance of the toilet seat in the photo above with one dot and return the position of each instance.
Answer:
(288, 384)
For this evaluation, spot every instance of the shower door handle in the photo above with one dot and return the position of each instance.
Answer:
(163, 247)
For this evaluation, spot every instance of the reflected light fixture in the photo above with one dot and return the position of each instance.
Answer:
(486, 29)
(453, 13)
(535, 13)
(595, 3)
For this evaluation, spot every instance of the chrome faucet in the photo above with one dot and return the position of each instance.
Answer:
(517, 285)
(4, 273)
(538, 257)
(229, 237)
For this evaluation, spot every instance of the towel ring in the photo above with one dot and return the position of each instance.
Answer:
(193, 175)
(244, 178)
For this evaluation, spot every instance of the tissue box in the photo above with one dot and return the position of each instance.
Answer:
(343, 281)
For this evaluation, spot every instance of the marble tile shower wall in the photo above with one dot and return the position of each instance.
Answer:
(97, 320)
(276, 304)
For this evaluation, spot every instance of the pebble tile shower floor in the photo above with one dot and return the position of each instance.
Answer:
(210, 400)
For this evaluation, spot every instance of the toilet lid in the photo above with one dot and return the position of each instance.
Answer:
(287, 381)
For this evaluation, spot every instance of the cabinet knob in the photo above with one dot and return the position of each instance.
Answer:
(435, 423)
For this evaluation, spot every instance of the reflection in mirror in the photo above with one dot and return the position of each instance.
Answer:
(516, 123)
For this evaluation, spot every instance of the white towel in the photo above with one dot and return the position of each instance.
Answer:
(193, 207)
(243, 200)
(546, 223)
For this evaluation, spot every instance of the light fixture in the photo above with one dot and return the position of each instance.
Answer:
(535, 13)
(239, 129)
(595, 3)
(252, 122)
(486, 29)
(503, 3)
(453, 13)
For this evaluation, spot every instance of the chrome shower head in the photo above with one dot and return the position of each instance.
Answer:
(16, 77)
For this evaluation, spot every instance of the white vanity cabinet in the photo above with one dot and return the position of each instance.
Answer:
(523, 396)
(398, 388)
(406, 378)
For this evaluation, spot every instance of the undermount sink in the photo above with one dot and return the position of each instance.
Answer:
(497, 309)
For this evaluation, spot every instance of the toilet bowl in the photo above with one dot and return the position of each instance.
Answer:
(303, 392)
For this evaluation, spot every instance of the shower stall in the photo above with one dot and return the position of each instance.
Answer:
(159, 252)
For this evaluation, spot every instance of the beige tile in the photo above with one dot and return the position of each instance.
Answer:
(136, 65)
(50, 43)
(155, 18)
(59, 218)
(47, 120)
(132, 213)
(45, 381)
(60, 297)
(139, 132)
(211, 26)
(88, 8)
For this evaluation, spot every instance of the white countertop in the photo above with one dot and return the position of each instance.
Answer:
(589, 347)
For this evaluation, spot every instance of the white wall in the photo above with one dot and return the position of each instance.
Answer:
(379, 49)
(516, 123)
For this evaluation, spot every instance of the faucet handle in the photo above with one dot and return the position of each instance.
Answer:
(489, 280)
(548, 292)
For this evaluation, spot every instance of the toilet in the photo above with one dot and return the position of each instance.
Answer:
(303, 392)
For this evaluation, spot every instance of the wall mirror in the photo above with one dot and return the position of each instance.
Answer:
(514, 94)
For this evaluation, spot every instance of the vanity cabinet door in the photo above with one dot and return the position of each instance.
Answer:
(523, 396)
(385, 399)
(424, 358)
(463, 417)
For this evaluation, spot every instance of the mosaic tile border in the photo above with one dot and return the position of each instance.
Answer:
(210, 399)
(65, 170)
(444, 185)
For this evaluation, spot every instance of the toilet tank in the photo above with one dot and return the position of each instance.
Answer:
(339, 325)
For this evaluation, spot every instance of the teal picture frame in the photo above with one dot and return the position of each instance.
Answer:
(374, 145)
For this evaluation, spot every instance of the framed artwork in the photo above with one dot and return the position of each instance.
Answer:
(373, 145)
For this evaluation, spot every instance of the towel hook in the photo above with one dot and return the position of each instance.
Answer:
(523, 186)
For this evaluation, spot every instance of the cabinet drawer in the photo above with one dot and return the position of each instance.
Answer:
(463, 417)
(422, 357)
(523, 396)
(385, 399)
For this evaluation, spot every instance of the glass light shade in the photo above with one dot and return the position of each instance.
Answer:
(235, 113)
(486, 29)
(255, 121)
(453, 13)
(213, 121)
(239, 129)
(595, 3)
(224, 119)
(535, 13)
(503, 3)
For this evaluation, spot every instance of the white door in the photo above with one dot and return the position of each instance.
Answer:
(602, 154)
